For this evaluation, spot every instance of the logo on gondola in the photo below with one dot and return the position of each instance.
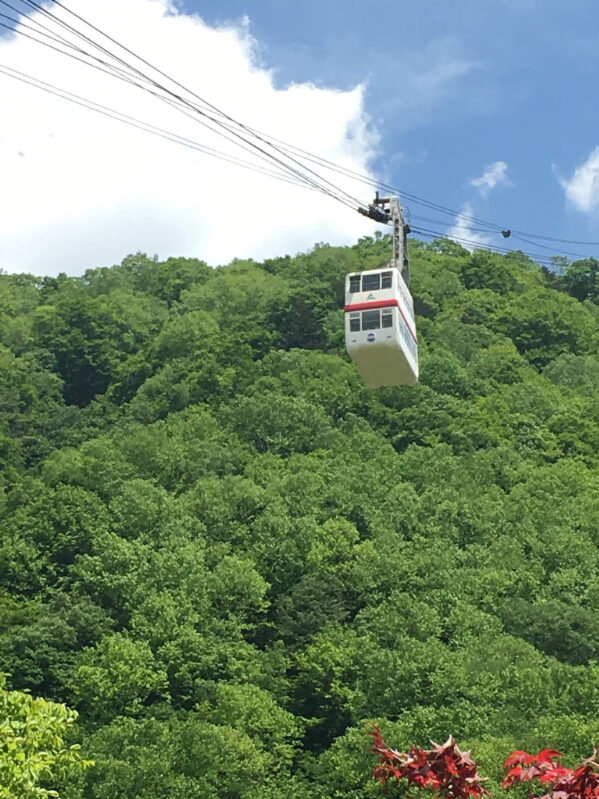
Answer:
(371, 337)
(371, 297)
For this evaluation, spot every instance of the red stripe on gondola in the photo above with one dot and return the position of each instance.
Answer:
(370, 306)
(374, 304)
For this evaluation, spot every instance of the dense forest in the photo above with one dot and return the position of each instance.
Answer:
(229, 556)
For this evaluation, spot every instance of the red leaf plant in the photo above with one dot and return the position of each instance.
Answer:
(449, 772)
(557, 782)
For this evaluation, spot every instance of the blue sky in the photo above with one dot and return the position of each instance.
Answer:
(453, 87)
(487, 107)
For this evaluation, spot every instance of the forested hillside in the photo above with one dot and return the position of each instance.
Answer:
(228, 555)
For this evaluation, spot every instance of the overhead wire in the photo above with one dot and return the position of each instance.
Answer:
(554, 250)
(171, 136)
(163, 133)
(45, 31)
(107, 68)
(111, 70)
(27, 27)
(490, 226)
(282, 146)
(205, 102)
(444, 222)
(335, 192)
(553, 238)
(233, 126)
(308, 184)
(141, 124)
(471, 245)
(512, 234)
(541, 258)
(370, 180)
(127, 78)
(285, 148)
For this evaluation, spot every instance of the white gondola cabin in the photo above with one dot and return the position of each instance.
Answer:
(380, 333)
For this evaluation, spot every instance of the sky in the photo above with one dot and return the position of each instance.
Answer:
(484, 107)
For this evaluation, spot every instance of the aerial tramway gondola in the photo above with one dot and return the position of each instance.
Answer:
(380, 332)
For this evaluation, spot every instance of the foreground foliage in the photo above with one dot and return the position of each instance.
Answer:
(445, 772)
(226, 554)
(33, 752)
(556, 781)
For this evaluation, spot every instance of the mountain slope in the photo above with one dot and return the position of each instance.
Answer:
(228, 554)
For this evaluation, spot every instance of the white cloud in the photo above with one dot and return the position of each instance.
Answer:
(582, 190)
(81, 190)
(495, 175)
(461, 231)
(430, 80)
(444, 68)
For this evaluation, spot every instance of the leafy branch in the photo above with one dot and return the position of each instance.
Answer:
(450, 773)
